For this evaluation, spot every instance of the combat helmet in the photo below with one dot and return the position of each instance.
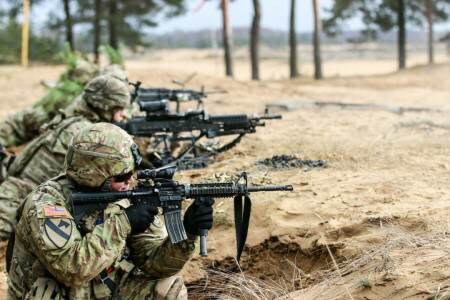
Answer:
(99, 152)
(83, 71)
(115, 71)
(106, 94)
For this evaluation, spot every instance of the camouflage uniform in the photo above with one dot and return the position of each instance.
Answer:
(115, 71)
(43, 158)
(55, 259)
(22, 126)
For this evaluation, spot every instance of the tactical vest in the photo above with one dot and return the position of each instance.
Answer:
(43, 158)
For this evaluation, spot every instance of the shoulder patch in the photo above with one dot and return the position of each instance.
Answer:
(58, 231)
(50, 211)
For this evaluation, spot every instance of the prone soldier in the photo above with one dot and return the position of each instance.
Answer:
(121, 251)
(104, 99)
(24, 125)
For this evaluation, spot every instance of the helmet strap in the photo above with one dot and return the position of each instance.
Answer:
(106, 186)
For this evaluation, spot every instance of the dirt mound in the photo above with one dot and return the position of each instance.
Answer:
(274, 261)
(393, 258)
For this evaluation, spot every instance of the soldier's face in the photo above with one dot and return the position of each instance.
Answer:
(121, 186)
(118, 115)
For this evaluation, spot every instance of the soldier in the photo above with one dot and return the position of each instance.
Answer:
(123, 250)
(104, 99)
(22, 126)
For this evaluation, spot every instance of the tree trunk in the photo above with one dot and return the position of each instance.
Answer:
(227, 39)
(97, 30)
(317, 33)
(69, 32)
(111, 24)
(293, 42)
(401, 34)
(254, 44)
(430, 30)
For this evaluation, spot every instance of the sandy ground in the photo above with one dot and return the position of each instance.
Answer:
(373, 224)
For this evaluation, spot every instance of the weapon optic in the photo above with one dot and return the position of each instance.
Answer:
(169, 194)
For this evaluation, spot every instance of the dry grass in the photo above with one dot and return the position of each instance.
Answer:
(398, 247)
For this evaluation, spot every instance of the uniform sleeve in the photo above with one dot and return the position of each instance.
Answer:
(71, 258)
(21, 126)
(154, 254)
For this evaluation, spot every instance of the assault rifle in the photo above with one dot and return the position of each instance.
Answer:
(160, 125)
(143, 95)
(169, 195)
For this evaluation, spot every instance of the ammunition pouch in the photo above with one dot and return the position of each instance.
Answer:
(45, 288)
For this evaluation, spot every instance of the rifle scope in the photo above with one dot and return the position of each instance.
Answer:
(164, 173)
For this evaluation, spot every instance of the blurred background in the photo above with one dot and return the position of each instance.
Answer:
(245, 39)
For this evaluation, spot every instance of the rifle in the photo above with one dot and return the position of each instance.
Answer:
(143, 95)
(169, 195)
(159, 124)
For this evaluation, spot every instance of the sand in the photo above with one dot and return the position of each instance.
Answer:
(380, 209)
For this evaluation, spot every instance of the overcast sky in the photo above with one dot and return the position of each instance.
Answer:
(275, 15)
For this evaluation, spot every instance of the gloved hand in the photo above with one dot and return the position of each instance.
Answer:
(141, 215)
(199, 216)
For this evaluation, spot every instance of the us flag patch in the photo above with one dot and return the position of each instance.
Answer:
(50, 211)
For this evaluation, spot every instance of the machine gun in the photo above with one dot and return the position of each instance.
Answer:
(143, 95)
(161, 125)
(169, 195)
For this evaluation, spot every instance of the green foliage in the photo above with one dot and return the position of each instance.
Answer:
(365, 282)
(70, 58)
(59, 95)
(132, 16)
(114, 56)
(65, 88)
(41, 48)
(128, 17)
(381, 14)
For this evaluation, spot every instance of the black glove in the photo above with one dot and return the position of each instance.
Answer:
(199, 215)
(141, 215)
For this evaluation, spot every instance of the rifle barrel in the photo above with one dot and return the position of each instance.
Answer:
(269, 117)
(216, 92)
(271, 188)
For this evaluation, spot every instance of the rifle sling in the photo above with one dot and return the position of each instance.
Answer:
(241, 222)
(241, 219)
(110, 283)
